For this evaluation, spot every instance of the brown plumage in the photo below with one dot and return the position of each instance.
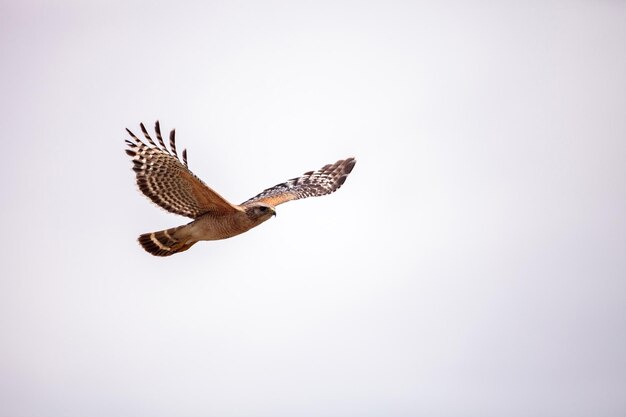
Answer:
(166, 180)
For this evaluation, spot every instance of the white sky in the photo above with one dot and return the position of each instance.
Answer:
(472, 265)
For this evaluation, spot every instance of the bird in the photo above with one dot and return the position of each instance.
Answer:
(166, 179)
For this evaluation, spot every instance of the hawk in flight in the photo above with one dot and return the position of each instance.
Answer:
(166, 179)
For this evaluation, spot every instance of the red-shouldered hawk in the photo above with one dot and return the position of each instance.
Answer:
(166, 180)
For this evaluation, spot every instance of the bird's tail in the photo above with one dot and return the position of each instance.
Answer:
(166, 242)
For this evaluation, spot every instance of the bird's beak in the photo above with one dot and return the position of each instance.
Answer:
(274, 212)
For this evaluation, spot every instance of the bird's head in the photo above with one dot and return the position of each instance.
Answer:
(260, 212)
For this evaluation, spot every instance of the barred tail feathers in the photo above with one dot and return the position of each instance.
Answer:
(166, 242)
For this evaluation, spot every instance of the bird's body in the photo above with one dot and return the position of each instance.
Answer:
(168, 182)
(209, 226)
(216, 227)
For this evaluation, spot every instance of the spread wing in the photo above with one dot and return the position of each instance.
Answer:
(167, 180)
(311, 184)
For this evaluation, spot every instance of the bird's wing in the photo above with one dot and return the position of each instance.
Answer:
(311, 184)
(167, 180)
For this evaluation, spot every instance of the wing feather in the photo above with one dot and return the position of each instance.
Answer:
(310, 184)
(165, 180)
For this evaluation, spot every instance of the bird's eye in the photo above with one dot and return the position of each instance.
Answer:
(262, 208)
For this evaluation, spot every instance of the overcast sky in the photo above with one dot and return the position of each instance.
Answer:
(473, 264)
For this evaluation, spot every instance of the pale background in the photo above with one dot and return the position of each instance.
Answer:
(472, 265)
